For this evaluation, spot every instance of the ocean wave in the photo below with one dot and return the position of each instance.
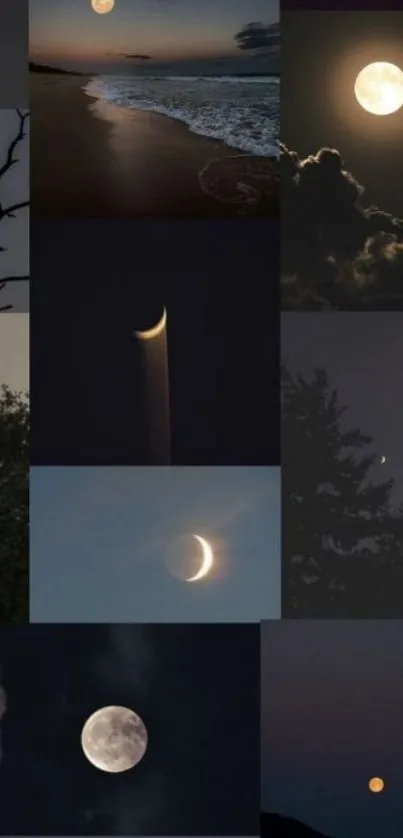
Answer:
(227, 79)
(242, 113)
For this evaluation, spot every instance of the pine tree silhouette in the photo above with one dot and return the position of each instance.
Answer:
(342, 538)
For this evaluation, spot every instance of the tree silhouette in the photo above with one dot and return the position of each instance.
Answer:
(342, 538)
(277, 826)
(14, 495)
(9, 211)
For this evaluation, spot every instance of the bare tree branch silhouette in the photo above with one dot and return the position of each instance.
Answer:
(9, 212)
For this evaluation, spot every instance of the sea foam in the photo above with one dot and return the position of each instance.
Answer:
(242, 112)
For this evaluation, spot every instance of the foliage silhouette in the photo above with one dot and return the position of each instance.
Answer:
(342, 537)
(14, 507)
(9, 212)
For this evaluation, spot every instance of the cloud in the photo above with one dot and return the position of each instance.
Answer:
(258, 36)
(130, 56)
(334, 246)
(138, 57)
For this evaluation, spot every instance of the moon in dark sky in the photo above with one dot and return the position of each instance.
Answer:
(379, 88)
(383, 460)
(114, 739)
(376, 784)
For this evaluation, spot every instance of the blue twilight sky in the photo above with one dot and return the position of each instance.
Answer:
(102, 540)
(151, 35)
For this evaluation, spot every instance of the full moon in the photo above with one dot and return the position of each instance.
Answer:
(379, 88)
(376, 784)
(102, 7)
(114, 739)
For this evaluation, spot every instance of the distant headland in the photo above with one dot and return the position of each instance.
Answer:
(43, 68)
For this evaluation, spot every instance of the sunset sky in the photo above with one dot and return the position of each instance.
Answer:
(161, 36)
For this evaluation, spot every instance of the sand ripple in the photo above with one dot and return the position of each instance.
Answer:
(250, 182)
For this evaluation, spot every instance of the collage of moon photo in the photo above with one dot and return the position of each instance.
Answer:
(201, 413)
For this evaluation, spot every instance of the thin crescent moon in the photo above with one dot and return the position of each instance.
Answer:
(149, 334)
(208, 560)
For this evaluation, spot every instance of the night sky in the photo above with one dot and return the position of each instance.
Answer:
(14, 232)
(334, 5)
(332, 694)
(113, 565)
(361, 353)
(13, 54)
(152, 37)
(319, 110)
(89, 278)
(192, 686)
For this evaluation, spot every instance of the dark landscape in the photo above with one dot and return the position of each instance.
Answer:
(277, 826)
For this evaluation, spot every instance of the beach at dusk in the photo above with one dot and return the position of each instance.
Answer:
(122, 162)
(154, 113)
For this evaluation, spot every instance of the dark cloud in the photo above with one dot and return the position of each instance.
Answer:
(134, 56)
(336, 251)
(258, 36)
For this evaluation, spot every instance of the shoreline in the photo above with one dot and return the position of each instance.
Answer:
(176, 119)
(118, 162)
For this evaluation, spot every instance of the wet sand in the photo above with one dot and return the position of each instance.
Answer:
(94, 159)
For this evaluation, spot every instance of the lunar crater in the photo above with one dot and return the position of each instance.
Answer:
(114, 739)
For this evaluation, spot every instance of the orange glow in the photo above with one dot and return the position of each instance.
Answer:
(376, 784)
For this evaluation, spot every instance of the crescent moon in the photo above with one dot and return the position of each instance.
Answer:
(383, 459)
(149, 334)
(208, 560)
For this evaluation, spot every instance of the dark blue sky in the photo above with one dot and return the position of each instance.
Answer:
(101, 538)
(193, 686)
(151, 32)
(332, 697)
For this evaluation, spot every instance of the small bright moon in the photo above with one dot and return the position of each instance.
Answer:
(102, 7)
(379, 88)
(190, 558)
(376, 784)
(383, 460)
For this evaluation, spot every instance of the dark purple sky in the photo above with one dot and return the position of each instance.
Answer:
(362, 353)
(331, 718)
(349, 5)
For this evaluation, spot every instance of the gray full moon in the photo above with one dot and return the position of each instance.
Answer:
(114, 739)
